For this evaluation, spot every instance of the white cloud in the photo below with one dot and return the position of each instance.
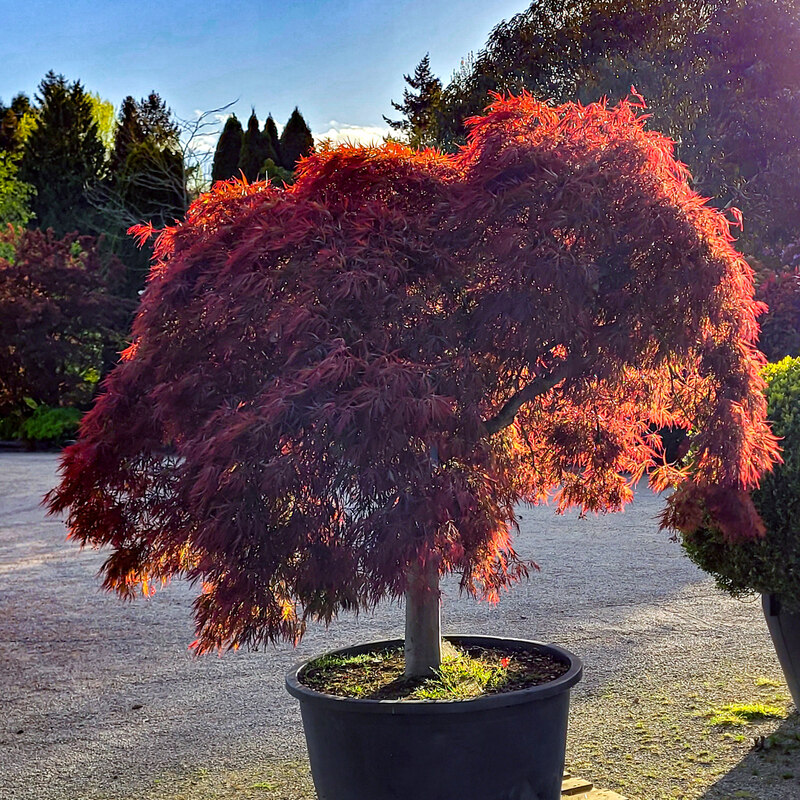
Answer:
(340, 132)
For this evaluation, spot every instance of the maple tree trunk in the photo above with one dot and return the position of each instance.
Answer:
(423, 642)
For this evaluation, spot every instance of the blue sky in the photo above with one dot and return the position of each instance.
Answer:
(340, 61)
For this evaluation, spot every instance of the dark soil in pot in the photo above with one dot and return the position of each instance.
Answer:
(466, 673)
(502, 746)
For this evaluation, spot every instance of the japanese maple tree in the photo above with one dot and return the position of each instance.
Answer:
(338, 392)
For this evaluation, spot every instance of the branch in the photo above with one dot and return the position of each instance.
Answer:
(197, 143)
(538, 386)
(602, 335)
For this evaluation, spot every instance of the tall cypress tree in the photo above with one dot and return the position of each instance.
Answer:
(296, 141)
(62, 156)
(256, 149)
(229, 147)
(271, 131)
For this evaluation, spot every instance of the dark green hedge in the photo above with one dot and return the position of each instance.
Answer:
(771, 564)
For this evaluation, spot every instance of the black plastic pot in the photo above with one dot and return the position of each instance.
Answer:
(500, 747)
(784, 628)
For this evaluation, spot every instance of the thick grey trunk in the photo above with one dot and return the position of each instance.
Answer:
(423, 644)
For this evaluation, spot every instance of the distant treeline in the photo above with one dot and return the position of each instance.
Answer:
(75, 174)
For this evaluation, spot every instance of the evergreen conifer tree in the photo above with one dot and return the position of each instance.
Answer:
(229, 147)
(156, 121)
(271, 130)
(256, 149)
(296, 141)
(419, 108)
(129, 132)
(148, 120)
(277, 174)
(147, 181)
(21, 105)
(63, 156)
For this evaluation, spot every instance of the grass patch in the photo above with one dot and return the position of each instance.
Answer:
(735, 714)
(465, 673)
(646, 723)
(461, 677)
(769, 682)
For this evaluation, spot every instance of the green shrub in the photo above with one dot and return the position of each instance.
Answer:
(770, 565)
(10, 427)
(48, 424)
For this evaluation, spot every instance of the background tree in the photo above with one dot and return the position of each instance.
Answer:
(16, 121)
(278, 174)
(271, 132)
(15, 196)
(63, 155)
(105, 117)
(420, 108)
(152, 183)
(780, 326)
(147, 179)
(296, 141)
(226, 155)
(719, 77)
(403, 346)
(581, 49)
(746, 149)
(256, 149)
(61, 320)
(146, 120)
(128, 132)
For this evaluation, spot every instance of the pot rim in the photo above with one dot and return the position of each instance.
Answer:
(396, 707)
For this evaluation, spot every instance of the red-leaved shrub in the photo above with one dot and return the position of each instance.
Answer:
(62, 322)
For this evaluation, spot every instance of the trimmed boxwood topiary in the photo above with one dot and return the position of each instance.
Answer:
(770, 565)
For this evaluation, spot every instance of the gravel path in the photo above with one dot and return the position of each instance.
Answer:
(101, 699)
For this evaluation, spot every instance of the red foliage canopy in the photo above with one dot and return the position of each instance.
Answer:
(371, 368)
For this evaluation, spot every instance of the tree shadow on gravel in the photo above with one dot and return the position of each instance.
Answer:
(770, 771)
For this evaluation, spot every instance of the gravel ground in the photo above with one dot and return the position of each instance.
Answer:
(103, 700)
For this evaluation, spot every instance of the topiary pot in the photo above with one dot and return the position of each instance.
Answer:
(507, 746)
(784, 628)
